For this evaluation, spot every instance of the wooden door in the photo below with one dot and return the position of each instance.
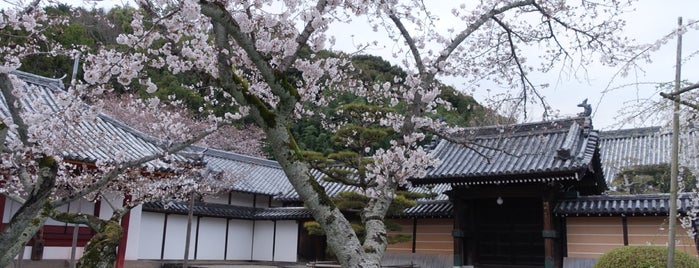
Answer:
(509, 234)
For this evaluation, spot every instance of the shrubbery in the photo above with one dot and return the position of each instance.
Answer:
(644, 257)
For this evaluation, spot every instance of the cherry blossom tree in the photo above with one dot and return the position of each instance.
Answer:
(127, 108)
(252, 48)
(36, 136)
(41, 172)
(194, 180)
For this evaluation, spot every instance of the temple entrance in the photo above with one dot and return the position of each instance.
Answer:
(508, 234)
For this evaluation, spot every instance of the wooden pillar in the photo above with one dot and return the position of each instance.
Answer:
(469, 225)
(457, 233)
(549, 234)
(2, 210)
(121, 250)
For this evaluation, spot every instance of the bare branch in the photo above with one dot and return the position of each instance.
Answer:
(302, 39)
(15, 198)
(682, 90)
(92, 221)
(677, 100)
(476, 25)
(411, 43)
(592, 38)
(522, 73)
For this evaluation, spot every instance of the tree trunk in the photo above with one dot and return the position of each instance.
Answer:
(31, 215)
(101, 250)
(339, 233)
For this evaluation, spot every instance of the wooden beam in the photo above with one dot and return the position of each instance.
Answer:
(414, 234)
(457, 232)
(625, 229)
(549, 234)
(2, 210)
(121, 250)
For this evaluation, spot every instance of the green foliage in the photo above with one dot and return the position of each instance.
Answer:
(401, 202)
(644, 257)
(375, 69)
(647, 179)
(346, 107)
(465, 110)
(350, 201)
(313, 228)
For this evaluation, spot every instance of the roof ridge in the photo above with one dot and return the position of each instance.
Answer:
(525, 129)
(631, 132)
(37, 79)
(238, 157)
(130, 129)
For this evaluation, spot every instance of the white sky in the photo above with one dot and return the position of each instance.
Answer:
(650, 20)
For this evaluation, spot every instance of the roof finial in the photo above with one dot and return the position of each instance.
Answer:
(587, 107)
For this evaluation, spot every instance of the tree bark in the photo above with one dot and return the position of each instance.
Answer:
(339, 233)
(275, 121)
(31, 215)
(101, 250)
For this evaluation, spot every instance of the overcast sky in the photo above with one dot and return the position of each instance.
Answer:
(649, 21)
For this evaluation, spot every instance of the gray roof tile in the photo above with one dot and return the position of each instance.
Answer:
(254, 175)
(438, 209)
(425, 209)
(542, 151)
(644, 146)
(86, 136)
(229, 211)
(629, 205)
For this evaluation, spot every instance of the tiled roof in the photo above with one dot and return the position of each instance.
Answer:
(533, 152)
(333, 188)
(283, 213)
(230, 211)
(439, 209)
(630, 205)
(643, 146)
(254, 175)
(435, 209)
(86, 137)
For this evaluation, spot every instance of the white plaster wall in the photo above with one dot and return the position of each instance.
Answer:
(212, 239)
(81, 205)
(106, 210)
(151, 235)
(10, 209)
(134, 234)
(239, 240)
(262, 201)
(175, 237)
(116, 199)
(286, 241)
(27, 252)
(217, 199)
(241, 199)
(276, 203)
(263, 241)
(58, 253)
